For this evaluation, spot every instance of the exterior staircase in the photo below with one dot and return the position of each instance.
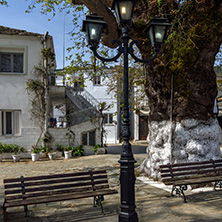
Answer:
(86, 104)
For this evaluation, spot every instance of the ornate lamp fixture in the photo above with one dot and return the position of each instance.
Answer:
(157, 32)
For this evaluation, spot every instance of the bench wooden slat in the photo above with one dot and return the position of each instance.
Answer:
(194, 180)
(48, 182)
(53, 176)
(58, 198)
(197, 167)
(64, 186)
(184, 173)
(38, 194)
(191, 163)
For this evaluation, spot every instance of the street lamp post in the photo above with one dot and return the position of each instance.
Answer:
(156, 30)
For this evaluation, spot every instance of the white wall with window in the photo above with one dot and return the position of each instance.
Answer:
(19, 54)
(10, 122)
(98, 89)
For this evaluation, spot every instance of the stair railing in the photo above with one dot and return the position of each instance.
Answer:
(90, 98)
(85, 94)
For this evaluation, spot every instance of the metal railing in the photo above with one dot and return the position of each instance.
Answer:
(81, 116)
(89, 97)
(85, 94)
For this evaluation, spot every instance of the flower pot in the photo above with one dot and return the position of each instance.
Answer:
(16, 157)
(68, 154)
(1, 157)
(52, 156)
(35, 156)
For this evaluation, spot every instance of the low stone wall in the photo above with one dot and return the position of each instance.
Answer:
(60, 137)
(27, 138)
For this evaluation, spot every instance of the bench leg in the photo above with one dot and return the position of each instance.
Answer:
(98, 202)
(4, 214)
(179, 191)
(26, 213)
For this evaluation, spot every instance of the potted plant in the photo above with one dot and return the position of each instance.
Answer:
(68, 152)
(59, 150)
(16, 153)
(51, 154)
(35, 153)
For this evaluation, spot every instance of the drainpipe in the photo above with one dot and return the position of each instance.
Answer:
(44, 44)
(171, 120)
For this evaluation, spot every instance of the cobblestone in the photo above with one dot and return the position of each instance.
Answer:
(153, 204)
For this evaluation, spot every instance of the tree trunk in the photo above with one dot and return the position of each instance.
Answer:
(184, 129)
(190, 132)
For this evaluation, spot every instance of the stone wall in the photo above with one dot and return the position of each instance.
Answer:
(29, 136)
(60, 137)
(27, 139)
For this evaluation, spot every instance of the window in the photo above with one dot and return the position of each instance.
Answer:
(11, 62)
(108, 118)
(89, 138)
(97, 80)
(13, 59)
(9, 122)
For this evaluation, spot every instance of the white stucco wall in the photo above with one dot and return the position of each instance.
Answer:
(13, 94)
(100, 93)
(60, 136)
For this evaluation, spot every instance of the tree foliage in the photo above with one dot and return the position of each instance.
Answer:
(189, 53)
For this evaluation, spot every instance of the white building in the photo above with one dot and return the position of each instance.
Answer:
(20, 51)
(99, 90)
(89, 97)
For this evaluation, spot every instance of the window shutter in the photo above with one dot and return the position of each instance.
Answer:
(16, 123)
(1, 123)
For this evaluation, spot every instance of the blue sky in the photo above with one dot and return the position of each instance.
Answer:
(14, 16)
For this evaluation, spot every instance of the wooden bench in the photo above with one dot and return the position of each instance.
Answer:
(181, 175)
(26, 191)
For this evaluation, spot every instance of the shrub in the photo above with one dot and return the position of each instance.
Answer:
(59, 147)
(69, 148)
(36, 149)
(78, 151)
(96, 147)
(11, 148)
(48, 150)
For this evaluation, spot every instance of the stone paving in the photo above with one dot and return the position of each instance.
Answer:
(153, 204)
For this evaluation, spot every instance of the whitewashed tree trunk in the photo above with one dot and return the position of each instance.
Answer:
(192, 140)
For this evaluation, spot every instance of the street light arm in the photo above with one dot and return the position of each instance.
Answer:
(131, 51)
(113, 59)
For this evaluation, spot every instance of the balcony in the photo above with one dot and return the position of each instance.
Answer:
(56, 88)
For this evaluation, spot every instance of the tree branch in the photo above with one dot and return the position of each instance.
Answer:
(102, 8)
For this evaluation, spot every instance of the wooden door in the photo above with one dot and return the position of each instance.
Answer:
(143, 127)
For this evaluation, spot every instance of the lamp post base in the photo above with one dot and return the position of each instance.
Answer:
(128, 217)
(127, 183)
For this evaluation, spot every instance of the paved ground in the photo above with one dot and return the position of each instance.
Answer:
(153, 204)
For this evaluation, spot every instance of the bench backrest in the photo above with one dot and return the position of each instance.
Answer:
(38, 186)
(180, 170)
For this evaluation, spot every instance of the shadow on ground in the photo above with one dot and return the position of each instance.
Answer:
(66, 215)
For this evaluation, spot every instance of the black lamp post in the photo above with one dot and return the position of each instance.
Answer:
(156, 29)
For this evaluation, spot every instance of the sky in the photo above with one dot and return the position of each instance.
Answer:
(14, 16)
